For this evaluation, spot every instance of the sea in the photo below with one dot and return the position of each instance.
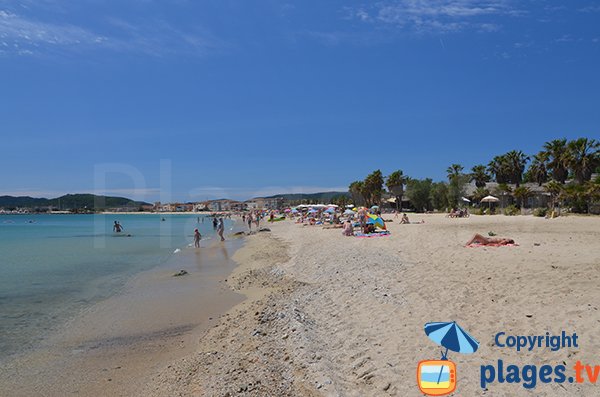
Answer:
(53, 267)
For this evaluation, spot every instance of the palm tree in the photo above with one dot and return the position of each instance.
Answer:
(480, 193)
(373, 188)
(355, 190)
(499, 169)
(555, 189)
(584, 158)
(558, 159)
(454, 171)
(395, 184)
(521, 193)
(480, 176)
(538, 171)
(516, 161)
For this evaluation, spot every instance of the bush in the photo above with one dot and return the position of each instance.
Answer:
(541, 212)
(479, 211)
(512, 210)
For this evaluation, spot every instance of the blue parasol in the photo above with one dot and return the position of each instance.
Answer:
(452, 337)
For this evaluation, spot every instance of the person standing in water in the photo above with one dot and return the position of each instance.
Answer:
(221, 228)
(249, 218)
(117, 228)
(197, 237)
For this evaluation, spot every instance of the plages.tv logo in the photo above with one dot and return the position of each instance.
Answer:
(438, 377)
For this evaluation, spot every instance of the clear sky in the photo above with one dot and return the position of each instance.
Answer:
(244, 98)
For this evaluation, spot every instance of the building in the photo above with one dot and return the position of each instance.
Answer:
(265, 203)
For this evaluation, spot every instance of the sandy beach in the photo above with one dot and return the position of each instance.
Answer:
(328, 315)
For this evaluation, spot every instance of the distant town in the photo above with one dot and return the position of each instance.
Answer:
(88, 203)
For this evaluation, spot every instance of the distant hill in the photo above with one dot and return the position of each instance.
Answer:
(319, 197)
(69, 201)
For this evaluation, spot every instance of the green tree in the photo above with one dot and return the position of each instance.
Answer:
(499, 169)
(480, 193)
(439, 196)
(395, 184)
(419, 193)
(373, 188)
(558, 159)
(457, 181)
(479, 175)
(576, 196)
(538, 170)
(454, 170)
(516, 161)
(356, 189)
(522, 193)
(584, 157)
(554, 188)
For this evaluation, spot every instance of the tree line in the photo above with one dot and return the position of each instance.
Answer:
(563, 168)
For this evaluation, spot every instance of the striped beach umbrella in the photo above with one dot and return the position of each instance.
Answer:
(452, 337)
(375, 220)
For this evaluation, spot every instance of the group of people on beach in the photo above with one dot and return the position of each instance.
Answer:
(251, 218)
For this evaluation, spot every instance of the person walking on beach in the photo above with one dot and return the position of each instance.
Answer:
(117, 228)
(197, 237)
(250, 221)
(221, 228)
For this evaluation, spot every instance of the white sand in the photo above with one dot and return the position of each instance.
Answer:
(342, 316)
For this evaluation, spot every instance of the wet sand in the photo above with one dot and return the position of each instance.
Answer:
(114, 347)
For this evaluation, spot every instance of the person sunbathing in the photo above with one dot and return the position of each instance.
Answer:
(482, 240)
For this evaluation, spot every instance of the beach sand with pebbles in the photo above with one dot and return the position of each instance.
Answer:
(328, 315)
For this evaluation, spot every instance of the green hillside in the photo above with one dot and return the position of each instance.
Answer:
(69, 202)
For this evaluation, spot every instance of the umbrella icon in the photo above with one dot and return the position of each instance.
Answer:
(452, 337)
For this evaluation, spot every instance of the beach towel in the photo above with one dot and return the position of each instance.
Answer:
(492, 245)
(369, 235)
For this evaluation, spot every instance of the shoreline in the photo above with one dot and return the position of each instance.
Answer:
(113, 347)
(334, 315)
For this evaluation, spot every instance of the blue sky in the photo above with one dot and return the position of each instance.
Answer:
(244, 98)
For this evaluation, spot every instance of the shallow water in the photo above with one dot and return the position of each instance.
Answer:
(55, 266)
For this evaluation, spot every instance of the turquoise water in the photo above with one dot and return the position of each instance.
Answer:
(53, 266)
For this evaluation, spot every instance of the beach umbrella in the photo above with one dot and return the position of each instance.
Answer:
(452, 337)
(330, 210)
(287, 210)
(349, 212)
(376, 220)
(312, 211)
(375, 207)
(466, 200)
(490, 200)
(349, 205)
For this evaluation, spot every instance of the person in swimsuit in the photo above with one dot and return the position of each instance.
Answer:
(197, 237)
(482, 240)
